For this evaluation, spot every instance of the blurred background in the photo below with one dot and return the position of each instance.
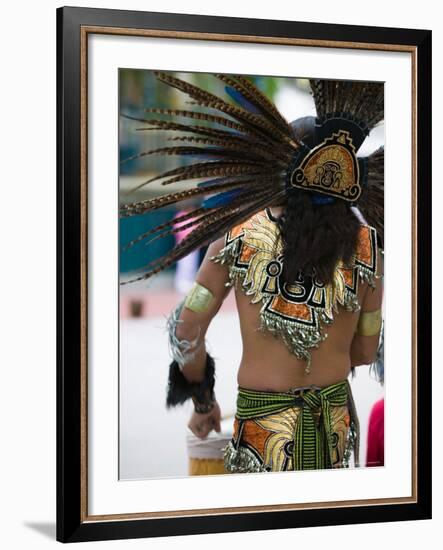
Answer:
(155, 442)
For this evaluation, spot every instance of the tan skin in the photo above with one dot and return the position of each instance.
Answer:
(266, 362)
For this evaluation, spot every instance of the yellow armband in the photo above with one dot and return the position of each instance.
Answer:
(199, 298)
(369, 323)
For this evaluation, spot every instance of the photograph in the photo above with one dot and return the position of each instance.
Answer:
(251, 274)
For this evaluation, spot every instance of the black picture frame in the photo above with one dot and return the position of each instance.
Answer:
(73, 523)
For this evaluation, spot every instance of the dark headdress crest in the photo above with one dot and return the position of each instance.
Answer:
(249, 157)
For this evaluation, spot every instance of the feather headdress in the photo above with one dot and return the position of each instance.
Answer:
(248, 158)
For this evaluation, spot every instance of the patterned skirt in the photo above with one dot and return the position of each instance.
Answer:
(305, 429)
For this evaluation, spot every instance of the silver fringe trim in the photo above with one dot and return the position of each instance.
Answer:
(298, 340)
(240, 461)
(243, 461)
(180, 349)
(350, 448)
(378, 366)
(227, 255)
(367, 275)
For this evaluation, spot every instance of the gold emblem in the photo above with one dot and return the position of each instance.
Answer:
(330, 168)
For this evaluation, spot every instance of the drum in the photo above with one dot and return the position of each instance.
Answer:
(206, 455)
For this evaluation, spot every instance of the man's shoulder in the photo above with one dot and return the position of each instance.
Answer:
(250, 223)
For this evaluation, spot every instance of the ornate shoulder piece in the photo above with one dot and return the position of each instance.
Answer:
(250, 251)
(364, 264)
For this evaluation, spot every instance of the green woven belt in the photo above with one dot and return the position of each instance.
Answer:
(312, 438)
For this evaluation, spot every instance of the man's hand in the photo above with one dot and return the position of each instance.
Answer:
(201, 424)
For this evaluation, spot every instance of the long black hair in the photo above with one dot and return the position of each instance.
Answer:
(315, 235)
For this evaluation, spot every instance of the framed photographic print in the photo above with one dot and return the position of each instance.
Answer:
(244, 276)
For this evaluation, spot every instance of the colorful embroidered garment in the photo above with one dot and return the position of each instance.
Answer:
(293, 312)
(307, 429)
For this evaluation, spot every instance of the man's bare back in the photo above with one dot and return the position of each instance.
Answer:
(266, 362)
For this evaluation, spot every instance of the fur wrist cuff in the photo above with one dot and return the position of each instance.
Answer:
(180, 389)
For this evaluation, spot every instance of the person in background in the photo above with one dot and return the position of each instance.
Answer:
(375, 454)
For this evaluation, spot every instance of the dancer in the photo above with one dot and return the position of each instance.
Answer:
(279, 212)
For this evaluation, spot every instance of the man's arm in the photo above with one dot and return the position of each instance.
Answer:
(201, 305)
(192, 371)
(367, 336)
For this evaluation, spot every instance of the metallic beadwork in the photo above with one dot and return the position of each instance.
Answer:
(241, 460)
